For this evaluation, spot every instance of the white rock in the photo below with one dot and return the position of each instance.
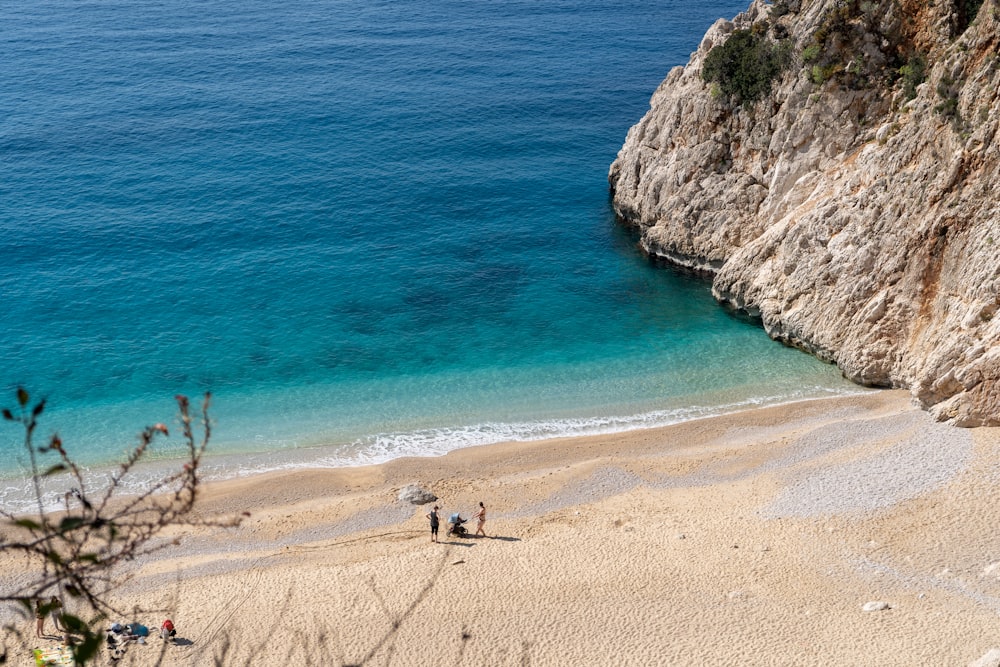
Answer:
(416, 494)
(875, 606)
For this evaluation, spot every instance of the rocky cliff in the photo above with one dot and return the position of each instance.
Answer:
(835, 165)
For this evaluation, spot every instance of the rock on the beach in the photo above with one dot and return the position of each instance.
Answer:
(416, 494)
(875, 606)
(989, 659)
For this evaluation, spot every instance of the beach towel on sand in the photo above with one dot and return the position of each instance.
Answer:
(46, 657)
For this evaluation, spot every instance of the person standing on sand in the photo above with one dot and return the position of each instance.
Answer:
(55, 605)
(481, 516)
(39, 619)
(41, 609)
(435, 522)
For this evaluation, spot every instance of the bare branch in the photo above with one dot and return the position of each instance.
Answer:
(75, 550)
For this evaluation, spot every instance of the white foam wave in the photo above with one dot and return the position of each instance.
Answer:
(438, 441)
(17, 496)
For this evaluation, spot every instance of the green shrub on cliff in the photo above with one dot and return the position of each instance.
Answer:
(967, 12)
(845, 30)
(745, 65)
(913, 74)
(947, 90)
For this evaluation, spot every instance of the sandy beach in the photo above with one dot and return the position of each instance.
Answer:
(754, 538)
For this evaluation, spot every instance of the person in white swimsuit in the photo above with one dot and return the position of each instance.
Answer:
(481, 516)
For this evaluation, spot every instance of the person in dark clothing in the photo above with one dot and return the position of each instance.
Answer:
(435, 522)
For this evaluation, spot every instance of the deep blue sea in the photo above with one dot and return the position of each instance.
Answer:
(371, 229)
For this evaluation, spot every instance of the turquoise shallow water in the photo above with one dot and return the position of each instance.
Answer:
(378, 227)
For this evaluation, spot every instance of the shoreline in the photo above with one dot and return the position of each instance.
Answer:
(523, 450)
(706, 542)
(229, 465)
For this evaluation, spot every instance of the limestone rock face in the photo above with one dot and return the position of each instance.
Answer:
(860, 224)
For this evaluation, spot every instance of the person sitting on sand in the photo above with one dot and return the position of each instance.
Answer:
(120, 632)
(435, 522)
(118, 635)
(481, 516)
(167, 632)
